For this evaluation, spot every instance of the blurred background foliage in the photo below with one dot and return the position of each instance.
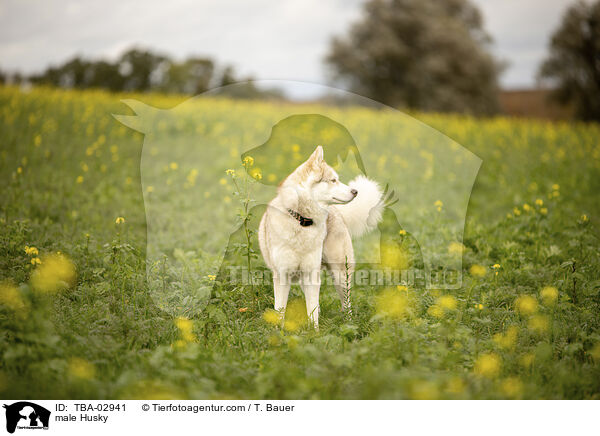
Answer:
(420, 55)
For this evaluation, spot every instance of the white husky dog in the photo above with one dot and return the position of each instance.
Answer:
(309, 223)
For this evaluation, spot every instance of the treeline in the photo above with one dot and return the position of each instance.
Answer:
(139, 70)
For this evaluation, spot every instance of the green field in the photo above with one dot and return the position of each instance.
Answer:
(84, 324)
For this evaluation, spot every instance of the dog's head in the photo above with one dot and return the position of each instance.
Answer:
(319, 180)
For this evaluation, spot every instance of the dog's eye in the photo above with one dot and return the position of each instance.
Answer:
(333, 181)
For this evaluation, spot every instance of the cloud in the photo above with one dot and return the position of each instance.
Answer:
(262, 38)
(521, 32)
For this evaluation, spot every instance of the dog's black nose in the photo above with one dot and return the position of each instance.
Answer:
(354, 192)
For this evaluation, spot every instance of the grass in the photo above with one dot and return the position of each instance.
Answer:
(524, 324)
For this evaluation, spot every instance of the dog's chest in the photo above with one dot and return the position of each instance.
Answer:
(298, 245)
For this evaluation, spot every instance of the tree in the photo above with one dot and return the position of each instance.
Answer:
(574, 62)
(423, 54)
(141, 69)
(193, 76)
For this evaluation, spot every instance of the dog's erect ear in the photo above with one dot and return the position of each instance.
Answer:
(317, 157)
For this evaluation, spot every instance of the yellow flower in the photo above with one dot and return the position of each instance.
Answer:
(479, 306)
(539, 202)
(402, 288)
(257, 174)
(527, 360)
(81, 368)
(539, 323)
(191, 177)
(185, 327)
(436, 311)
(31, 251)
(507, 340)
(79, 179)
(443, 305)
(544, 211)
(211, 277)
(402, 232)
(119, 220)
(184, 324)
(526, 207)
(271, 316)
(230, 172)
(496, 267)
(394, 256)
(173, 166)
(555, 187)
(447, 302)
(549, 295)
(150, 189)
(36, 261)
(488, 365)
(11, 298)
(248, 161)
(477, 270)
(290, 325)
(516, 211)
(392, 304)
(438, 204)
(179, 343)
(295, 315)
(512, 387)
(456, 248)
(56, 273)
(223, 181)
(584, 218)
(526, 305)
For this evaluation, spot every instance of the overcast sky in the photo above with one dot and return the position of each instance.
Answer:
(269, 39)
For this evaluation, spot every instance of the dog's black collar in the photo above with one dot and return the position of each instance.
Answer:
(304, 222)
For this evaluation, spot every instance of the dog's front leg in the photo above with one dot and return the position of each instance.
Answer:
(281, 286)
(311, 286)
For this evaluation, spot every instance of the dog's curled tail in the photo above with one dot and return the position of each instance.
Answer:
(363, 213)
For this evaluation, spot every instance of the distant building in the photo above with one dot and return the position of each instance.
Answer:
(533, 103)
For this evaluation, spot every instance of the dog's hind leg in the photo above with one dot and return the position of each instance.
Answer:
(342, 281)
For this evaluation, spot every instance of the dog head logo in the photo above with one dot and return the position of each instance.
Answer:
(26, 415)
(196, 156)
(294, 138)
